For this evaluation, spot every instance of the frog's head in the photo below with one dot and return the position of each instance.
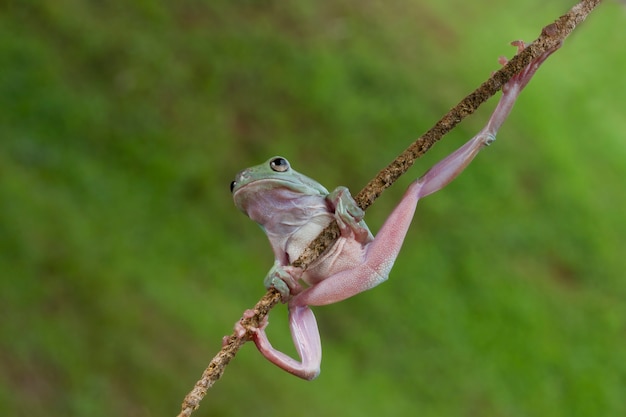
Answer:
(275, 174)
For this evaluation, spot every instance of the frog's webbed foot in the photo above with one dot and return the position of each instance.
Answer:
(349, 215)
(519, 80)
(240, 330)
(510, 93)
(285, 279)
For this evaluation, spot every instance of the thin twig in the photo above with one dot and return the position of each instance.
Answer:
(551, 36)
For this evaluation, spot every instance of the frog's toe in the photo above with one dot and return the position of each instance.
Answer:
(239, 329)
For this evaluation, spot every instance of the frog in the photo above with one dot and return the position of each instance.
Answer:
(293, 209)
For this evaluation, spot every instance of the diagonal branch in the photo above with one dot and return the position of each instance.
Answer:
(551, 36)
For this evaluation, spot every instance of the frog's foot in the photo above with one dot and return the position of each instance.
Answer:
(240, 330)
(452, 165)
(285, 279)
(510, 93)
(255, 330)
(349, 215)
(243, 332)
(519, 80)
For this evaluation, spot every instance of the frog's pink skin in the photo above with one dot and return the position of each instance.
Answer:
(356, 262)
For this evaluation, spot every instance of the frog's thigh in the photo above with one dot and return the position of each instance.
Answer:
(371, 265)
(340, 286)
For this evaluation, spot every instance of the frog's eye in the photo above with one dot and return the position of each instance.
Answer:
(279, 164)
(232, 186)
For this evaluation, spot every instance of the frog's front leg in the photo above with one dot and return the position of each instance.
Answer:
(372, 263)
(285, 279)
(349, 216)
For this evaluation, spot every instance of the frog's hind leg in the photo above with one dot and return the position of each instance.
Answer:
(451, 166)
(382, 251)
(379, 255)
(306, 339)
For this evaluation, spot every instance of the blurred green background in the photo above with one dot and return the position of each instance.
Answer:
(123, 261)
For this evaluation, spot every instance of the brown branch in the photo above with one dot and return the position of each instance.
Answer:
(551, 36)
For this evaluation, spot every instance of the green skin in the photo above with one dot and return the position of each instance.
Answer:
(293, 209)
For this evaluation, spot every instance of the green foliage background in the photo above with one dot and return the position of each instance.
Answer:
(123, 260)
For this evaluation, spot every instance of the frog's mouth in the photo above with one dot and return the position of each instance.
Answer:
(264, 184)
(246, 178)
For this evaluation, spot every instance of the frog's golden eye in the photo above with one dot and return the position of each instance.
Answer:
(279, 164)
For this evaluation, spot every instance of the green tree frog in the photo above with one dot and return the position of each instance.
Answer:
(293, 209)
